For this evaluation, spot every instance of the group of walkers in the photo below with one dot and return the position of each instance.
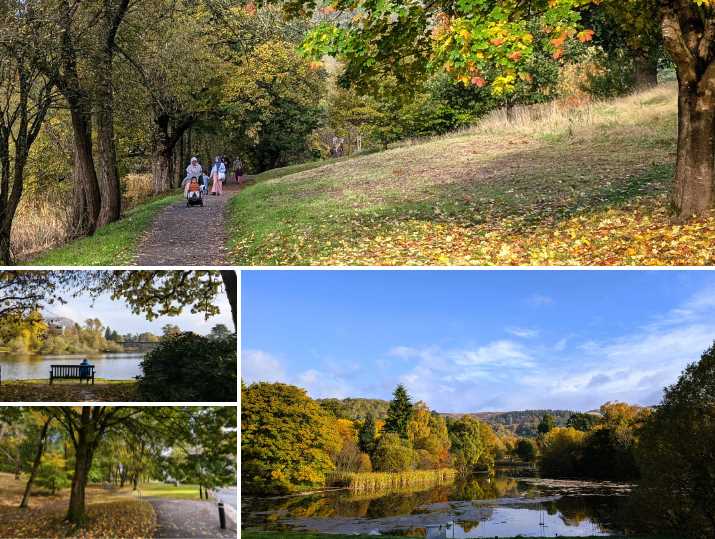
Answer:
(216, 177)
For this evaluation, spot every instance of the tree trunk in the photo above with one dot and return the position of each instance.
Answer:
(84, 452)
(87, 200)
(230, 282)
(694, 172)
(689, 40)
(109, 187)
(165, 141)
(36, 463)
(161, 170)
(646, 71)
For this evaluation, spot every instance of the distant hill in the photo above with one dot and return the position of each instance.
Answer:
(521, 423)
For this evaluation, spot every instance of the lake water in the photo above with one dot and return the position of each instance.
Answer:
(110, 366)
(507, 504)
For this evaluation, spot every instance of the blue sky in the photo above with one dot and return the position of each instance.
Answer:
(118, 316)
(477, 340)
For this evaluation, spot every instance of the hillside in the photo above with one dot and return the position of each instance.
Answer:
(522, 422)
(558, 185)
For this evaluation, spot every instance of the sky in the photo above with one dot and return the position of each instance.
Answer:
(118, 315)
(469, 341)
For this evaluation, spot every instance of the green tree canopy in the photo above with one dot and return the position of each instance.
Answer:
(676, 454)
(399, 413)
(286, 439)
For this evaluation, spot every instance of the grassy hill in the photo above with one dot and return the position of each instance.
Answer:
(558, 185)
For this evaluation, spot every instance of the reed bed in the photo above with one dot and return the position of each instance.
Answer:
(44, 216)
(364, 482)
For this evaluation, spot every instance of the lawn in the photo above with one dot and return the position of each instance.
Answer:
(112, 245)
(68, 391)
(111, 514)
(163, 490)
(559, 185)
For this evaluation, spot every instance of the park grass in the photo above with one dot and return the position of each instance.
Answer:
(112, 513)
(163, 490)
(68, 391)
(112, 245)
(559, 185)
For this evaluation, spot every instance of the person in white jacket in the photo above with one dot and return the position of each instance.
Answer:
(218, 176)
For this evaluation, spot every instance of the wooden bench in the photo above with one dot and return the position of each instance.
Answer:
(65, 372)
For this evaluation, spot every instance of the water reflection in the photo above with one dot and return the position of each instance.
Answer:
(481, 506)
(33, 367)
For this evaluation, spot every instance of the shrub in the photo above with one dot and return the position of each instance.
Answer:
(190, 367)
(526, 450)
(393, 454)
(561, 452)
(52, 475)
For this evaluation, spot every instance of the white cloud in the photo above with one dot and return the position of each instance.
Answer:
(260, 366)
(496, 354)
(524, 333)
(540, 299)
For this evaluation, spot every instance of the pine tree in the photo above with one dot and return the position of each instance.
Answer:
(399, 413)
(367, 435)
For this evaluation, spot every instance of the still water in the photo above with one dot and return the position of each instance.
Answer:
(507, 504)
(32, 367)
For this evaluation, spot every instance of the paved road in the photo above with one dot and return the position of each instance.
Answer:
(191, 519)
(181, 236)
(228, 496)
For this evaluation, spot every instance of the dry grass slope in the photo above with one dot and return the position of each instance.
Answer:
(559, 185)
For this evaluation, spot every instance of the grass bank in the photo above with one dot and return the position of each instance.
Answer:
(557, 185)
(112, 245)
(385, 481)
(111, 514)
(68, 391)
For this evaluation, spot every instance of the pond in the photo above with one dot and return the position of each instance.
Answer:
(512, 502)
(123, 366)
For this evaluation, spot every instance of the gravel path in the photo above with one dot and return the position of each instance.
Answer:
(189, 519)
(181, 236)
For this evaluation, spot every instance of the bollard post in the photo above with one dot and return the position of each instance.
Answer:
(222, 515)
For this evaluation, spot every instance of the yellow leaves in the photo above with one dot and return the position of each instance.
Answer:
(465, 35)
(124, 518)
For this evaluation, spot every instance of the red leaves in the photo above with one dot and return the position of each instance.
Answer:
(478, 81)
(585, 35)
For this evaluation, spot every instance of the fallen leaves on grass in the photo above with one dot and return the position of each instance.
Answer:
(637, 233)
(119, 519)
(17, 391)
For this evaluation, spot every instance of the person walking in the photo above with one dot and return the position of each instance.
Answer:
(218, 176)
(194, 170)
(238, 170)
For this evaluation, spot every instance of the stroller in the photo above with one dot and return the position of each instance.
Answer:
(194, 195)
